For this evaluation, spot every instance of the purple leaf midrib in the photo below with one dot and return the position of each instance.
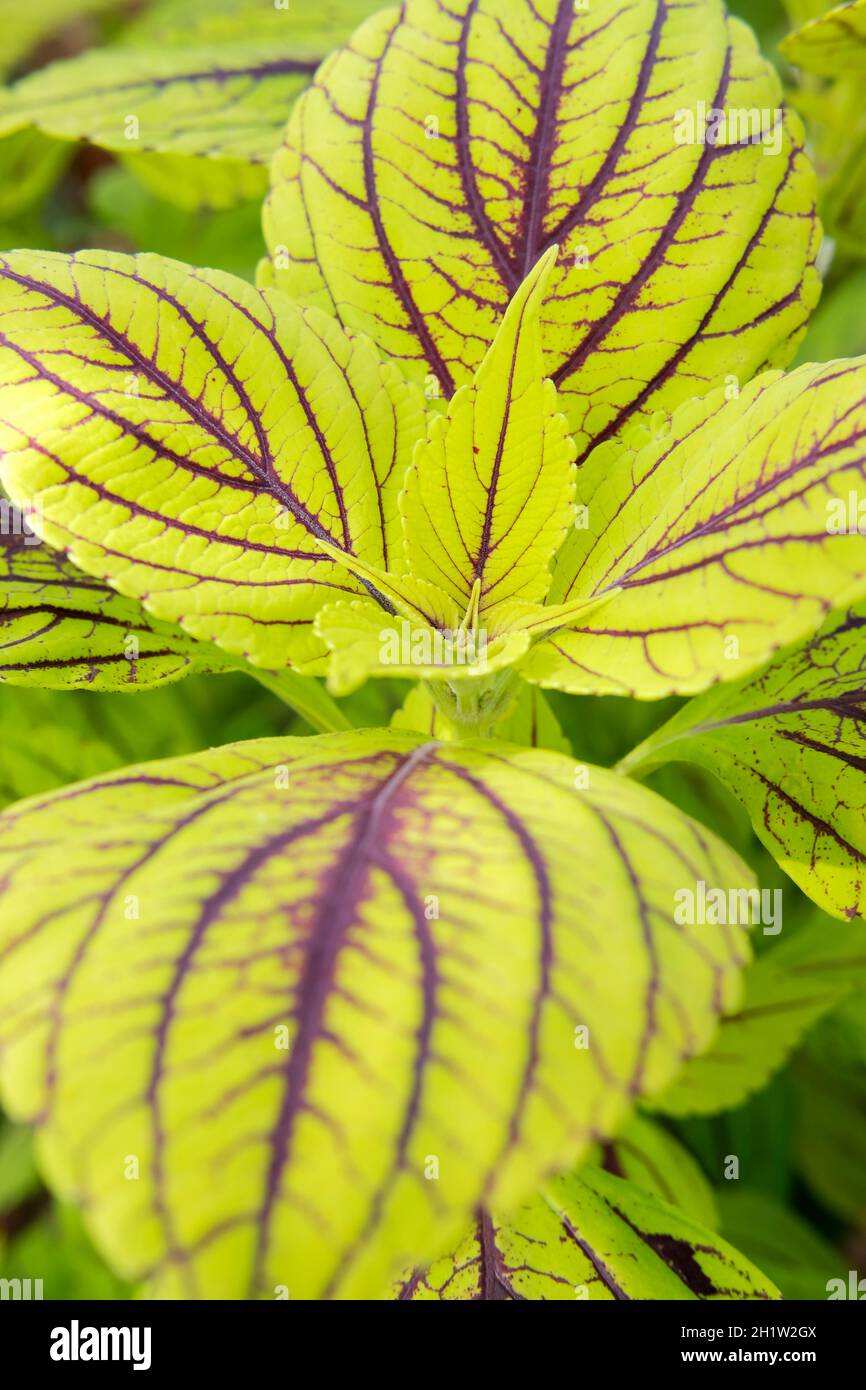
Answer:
(606, 1276)
(837, 705)
(327, 939)
(277, 67)
(424, 1032)
(229, 887)
(92, 616)
(543, 139)
(484, 546)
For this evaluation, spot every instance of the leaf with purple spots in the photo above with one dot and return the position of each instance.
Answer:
(591, 1237)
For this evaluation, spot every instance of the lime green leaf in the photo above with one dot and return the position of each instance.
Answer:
(711, 538)
(194, 184)
(220, 102)
(420, 714)
(230, 240)
(449, 146)
(190, 440)
(60, 628)
(488, 498)
(591, 1237)
(651, 1158)
(788, 742)
(787, 989)
(133, 99)
(532, 723)
(240, 919)
(795, 1257)
(311, 28)
(798, 11)
(832, 44)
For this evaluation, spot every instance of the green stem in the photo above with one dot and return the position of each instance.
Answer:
(632, 764)
(306, 697)
(474, 705)
(647, 756)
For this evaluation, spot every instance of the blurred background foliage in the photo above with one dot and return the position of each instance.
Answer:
(798, 1207)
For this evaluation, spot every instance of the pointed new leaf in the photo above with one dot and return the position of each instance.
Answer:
(832, 44)
(591, 1237)
(789, 743)
(364, 641)
(60, 628)
(488, 498)
(713, 539)
(190, 439)
(787, 989)
(288, 972)
(448, 146)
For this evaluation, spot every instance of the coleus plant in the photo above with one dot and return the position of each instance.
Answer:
(363, 1014)
(828, 54)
